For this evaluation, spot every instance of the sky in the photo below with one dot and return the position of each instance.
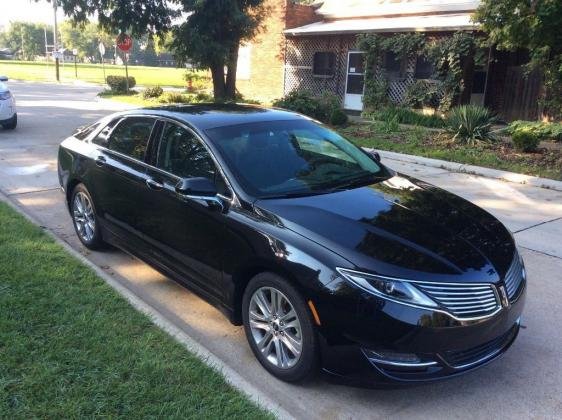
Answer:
(27, 10)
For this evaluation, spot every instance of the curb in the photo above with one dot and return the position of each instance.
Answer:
(516, 178)
(192, 345)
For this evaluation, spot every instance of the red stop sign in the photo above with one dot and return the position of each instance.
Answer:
(124, 42)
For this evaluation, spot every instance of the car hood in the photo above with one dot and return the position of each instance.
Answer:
(403, 228)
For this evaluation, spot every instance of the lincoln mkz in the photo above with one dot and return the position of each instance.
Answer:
(330, 260)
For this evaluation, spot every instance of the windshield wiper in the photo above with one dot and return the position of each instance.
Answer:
(357, 182)
(295, 194)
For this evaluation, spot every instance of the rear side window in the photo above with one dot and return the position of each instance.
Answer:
(131, 136)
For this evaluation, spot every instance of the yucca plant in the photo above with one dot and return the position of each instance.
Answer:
(470, 124)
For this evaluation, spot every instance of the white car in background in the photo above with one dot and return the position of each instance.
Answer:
(8, 114)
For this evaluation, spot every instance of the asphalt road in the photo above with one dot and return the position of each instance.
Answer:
(525, 383)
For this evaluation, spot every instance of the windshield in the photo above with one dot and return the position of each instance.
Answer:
(294, 157)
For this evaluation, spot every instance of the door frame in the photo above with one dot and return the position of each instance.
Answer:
(347, 73)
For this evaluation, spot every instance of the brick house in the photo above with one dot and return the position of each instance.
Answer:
(321, 55)
(261, 63)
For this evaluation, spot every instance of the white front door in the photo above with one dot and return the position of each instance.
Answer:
(355, 81)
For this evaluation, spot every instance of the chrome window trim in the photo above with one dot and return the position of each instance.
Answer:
(427, 308)
(232, 200)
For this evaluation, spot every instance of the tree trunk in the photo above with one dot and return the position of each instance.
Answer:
(232, 65)
(467, 77)
(217, 72)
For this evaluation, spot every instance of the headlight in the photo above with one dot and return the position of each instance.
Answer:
(5, 95)
(391, 289)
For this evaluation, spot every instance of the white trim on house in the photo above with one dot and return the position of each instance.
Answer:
(346, 9)
(429, 23)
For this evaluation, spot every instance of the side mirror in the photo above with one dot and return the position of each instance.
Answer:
(200, 189)
(3, 78)
(374, 155)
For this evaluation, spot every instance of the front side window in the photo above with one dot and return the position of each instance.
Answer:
(131, 136)
(183, 155)
(294, 157)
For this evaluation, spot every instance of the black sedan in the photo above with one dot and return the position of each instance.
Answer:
(329, 259)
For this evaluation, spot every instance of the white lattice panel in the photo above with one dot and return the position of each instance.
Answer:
(299, 58)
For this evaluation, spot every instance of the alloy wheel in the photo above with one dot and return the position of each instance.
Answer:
(84, 217)
(275, 327)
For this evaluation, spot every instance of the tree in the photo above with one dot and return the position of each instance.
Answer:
(26, 39)
(211, 37)
(85, 38)
(534, 25)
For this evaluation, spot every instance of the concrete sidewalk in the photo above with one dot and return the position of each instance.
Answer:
(527, 382)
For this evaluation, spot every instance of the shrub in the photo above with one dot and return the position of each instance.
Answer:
(202, 97)
(185, 98)
(321, 107)
(241, 99)
(174, 98)
(525, 140)
(152, 92)
(542, 130)
(471, 123)
(300, 101)
(392, 125)
(197, 80)
(423, 93)
(338, 117)
(118, 84)
(406, 116)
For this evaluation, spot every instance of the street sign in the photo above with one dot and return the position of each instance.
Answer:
(124, 42)
(57, 54)
(101, 48)
(75, 51)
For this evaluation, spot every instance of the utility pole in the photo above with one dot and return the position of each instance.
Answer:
(56, 41)
(22, 48)
(46, 49)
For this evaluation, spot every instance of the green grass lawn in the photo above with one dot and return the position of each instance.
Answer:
(148, 76)
(422, 142)
(71, 347)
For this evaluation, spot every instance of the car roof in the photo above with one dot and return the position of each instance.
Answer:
(206, 116)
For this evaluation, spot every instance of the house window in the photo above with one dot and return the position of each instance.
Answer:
(394, 65)
(424, 68)
(324, 64)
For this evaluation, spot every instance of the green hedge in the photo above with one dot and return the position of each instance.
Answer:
(118, 84)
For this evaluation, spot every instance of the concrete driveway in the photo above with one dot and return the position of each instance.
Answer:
(526, 382)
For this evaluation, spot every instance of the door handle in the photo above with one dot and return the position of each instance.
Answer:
(100, 161)
(154, 185)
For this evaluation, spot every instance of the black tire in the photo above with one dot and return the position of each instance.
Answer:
(307, 363)
(12, 124)
(95, 242)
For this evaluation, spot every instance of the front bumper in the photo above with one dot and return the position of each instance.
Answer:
(443, 347)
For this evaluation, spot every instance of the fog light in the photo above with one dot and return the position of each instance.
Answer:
(393, 358)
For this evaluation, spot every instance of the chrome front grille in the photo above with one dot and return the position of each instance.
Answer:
(514, 278)
(464, 301)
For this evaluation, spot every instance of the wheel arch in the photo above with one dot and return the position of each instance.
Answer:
(242, 276)
(70, 186)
